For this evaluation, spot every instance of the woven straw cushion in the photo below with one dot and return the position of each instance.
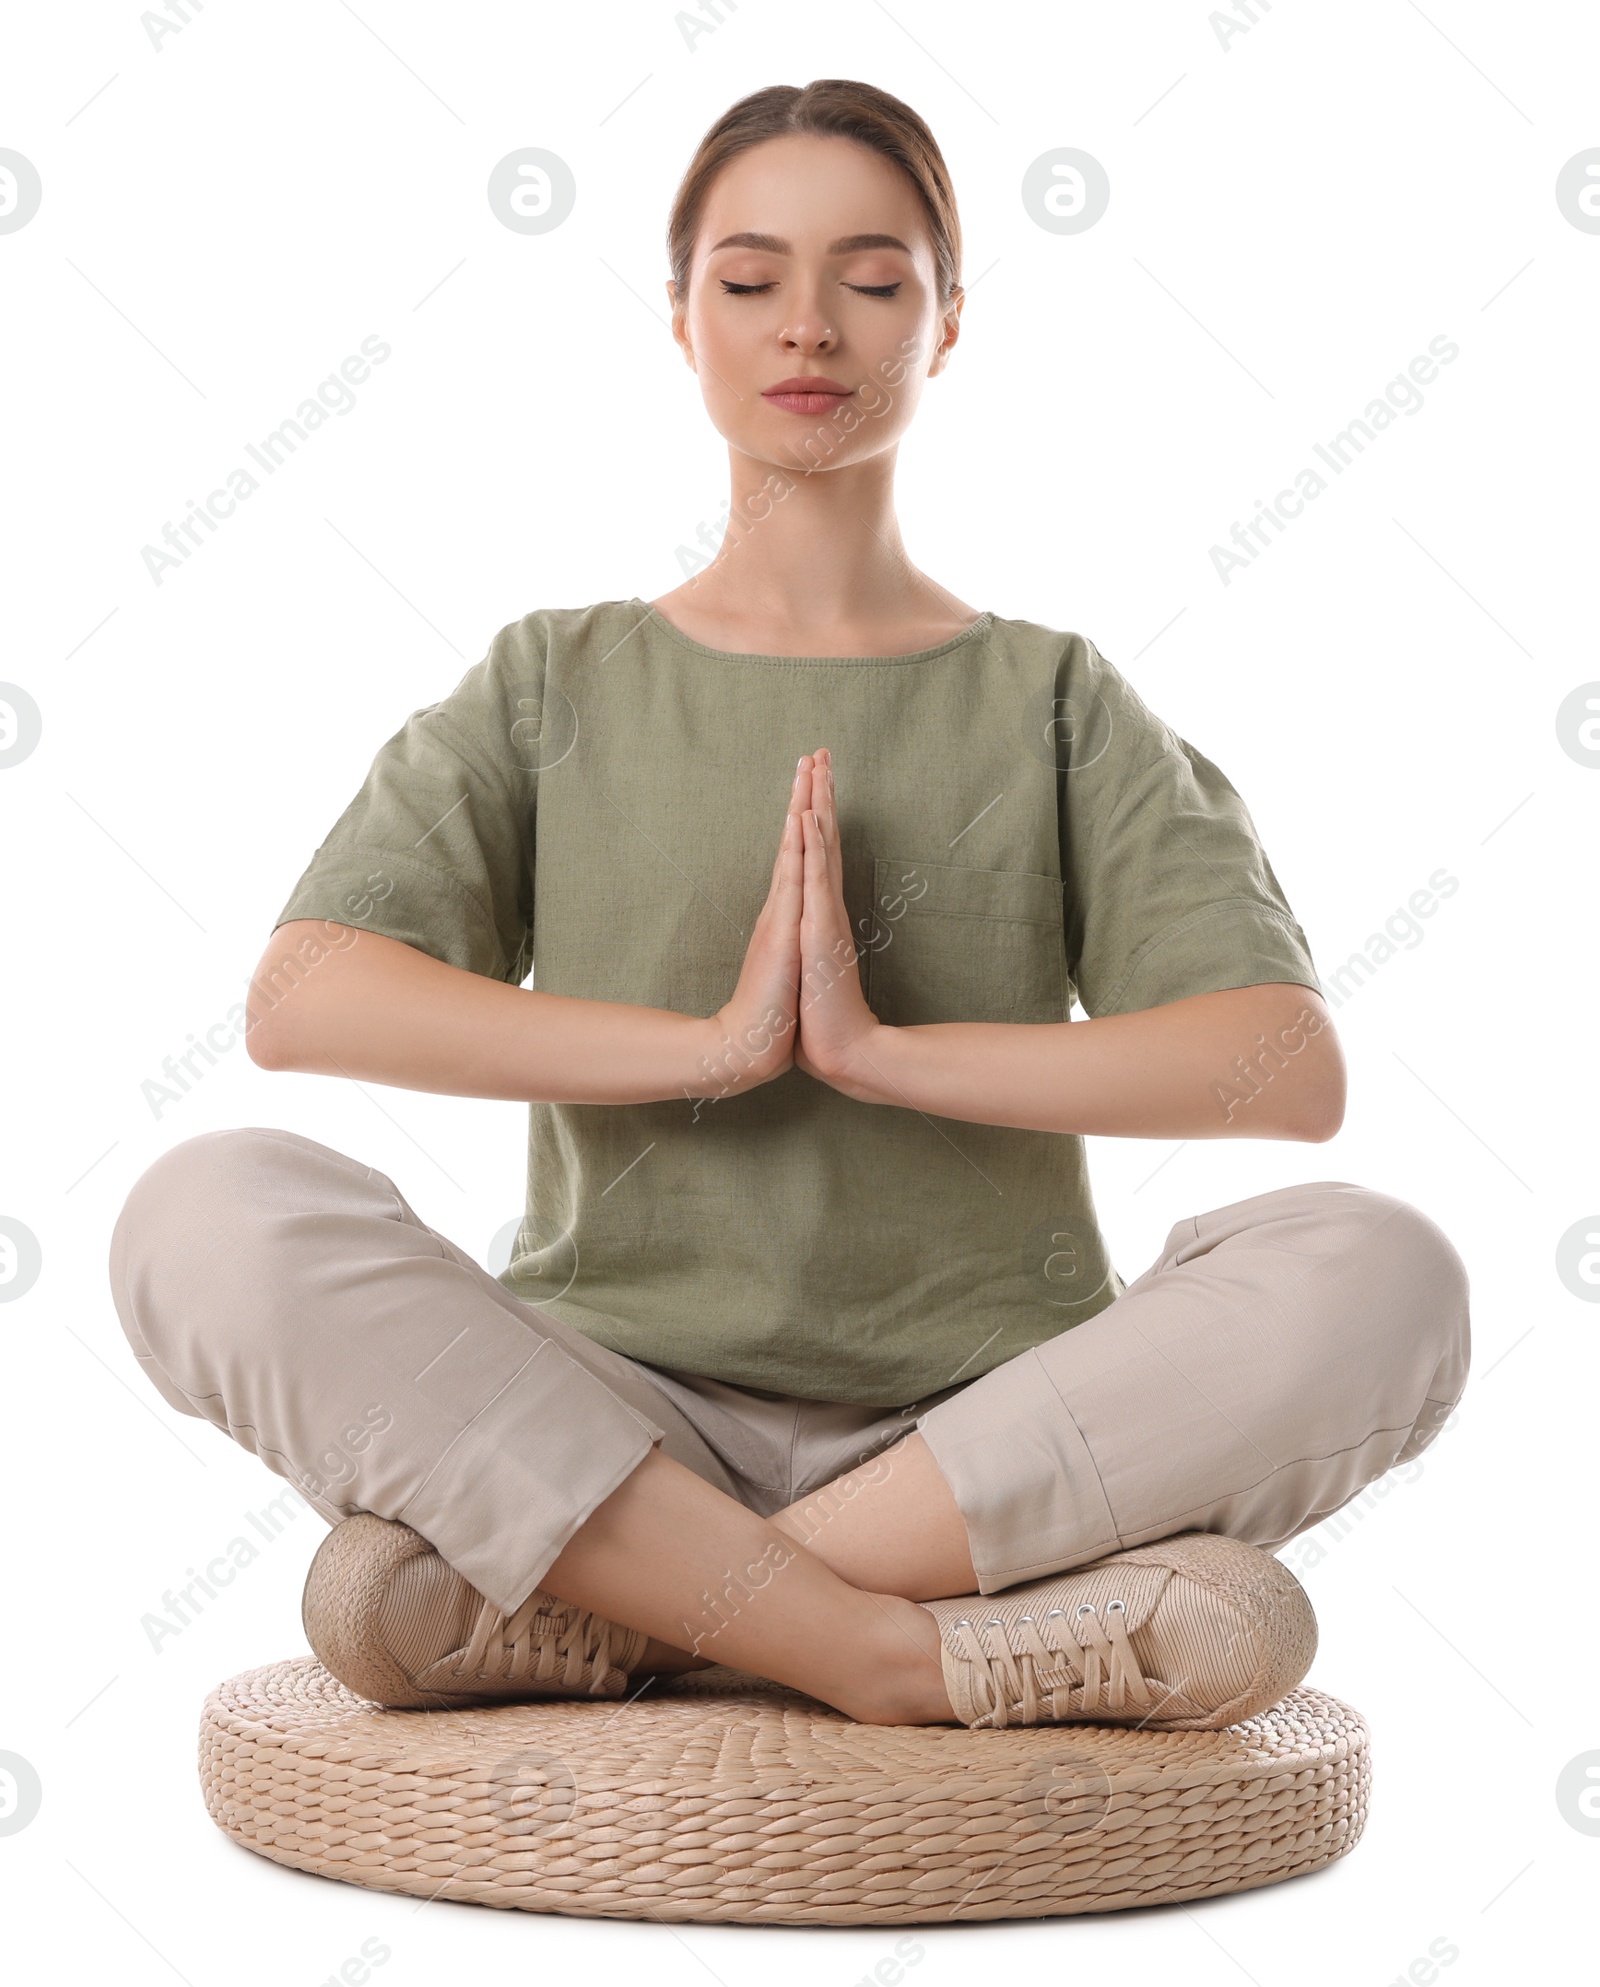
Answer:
(720, 1796)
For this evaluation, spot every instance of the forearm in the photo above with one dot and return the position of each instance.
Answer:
(330, 1000)
(1257, 1062)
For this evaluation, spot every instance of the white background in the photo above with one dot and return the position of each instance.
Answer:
(1292, 219)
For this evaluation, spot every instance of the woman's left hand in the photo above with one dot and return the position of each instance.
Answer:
(836, 1024)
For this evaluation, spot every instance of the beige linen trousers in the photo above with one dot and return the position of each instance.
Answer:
(1278, 1355)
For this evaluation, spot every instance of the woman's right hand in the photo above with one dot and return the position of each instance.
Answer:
(752, 1036)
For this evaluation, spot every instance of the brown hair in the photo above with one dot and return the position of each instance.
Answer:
(832, 107)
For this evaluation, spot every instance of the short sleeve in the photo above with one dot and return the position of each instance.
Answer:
(1167, 891)
(437, 847)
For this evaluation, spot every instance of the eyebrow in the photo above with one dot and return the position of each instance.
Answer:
(776, 245)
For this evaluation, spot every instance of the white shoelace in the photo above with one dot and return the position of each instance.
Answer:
(1102, 1672)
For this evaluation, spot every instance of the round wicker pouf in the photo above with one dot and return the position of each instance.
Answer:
(718, 1796)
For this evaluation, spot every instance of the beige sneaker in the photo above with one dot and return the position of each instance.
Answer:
(397, 1625)
(1189, 1633)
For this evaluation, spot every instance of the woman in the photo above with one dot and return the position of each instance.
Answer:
(810, 1358)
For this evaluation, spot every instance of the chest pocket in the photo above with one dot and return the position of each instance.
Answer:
(957, 944)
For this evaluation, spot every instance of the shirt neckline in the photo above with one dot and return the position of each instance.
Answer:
(659, 621)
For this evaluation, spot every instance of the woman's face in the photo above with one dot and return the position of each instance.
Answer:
(813, 262)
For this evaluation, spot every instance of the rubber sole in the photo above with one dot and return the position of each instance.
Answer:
(339, 1611)
(1270, 1602)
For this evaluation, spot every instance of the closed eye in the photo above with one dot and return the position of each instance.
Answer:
(758, 289)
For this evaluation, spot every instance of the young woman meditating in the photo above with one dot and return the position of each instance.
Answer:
(809, 1358)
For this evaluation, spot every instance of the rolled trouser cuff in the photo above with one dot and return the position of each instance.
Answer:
(522, 1476)
(1022, 1475)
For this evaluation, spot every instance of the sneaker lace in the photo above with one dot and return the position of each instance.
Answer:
(545, 1641)
(1102, 1673)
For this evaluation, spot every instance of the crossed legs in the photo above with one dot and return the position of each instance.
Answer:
(656, 1554)
(1278, 1356)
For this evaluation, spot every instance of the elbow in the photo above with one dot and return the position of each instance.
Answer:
(1323, 1126)
(1322, 1111)
(1321, 1093)
(1299, 1075)
(258, 1043)
(264, 1032)
(280, 975)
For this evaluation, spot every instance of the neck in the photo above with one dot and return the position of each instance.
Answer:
(818, 551)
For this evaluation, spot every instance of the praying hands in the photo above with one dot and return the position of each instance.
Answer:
(798, 1002)
(1165, 1072)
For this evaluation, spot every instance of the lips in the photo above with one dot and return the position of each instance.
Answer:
(811, 394)
(807, 383)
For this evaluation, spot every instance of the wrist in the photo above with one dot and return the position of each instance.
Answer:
(732, 1056)
(866, 1069)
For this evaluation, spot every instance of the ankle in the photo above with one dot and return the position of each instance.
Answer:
(665, 1659)
(898, 1679)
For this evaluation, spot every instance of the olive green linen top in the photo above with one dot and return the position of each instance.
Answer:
(599, 800)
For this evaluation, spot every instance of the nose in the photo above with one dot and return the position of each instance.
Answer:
(809, 331)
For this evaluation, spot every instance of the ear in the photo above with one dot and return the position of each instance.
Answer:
(949, 332)
(680, 332)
